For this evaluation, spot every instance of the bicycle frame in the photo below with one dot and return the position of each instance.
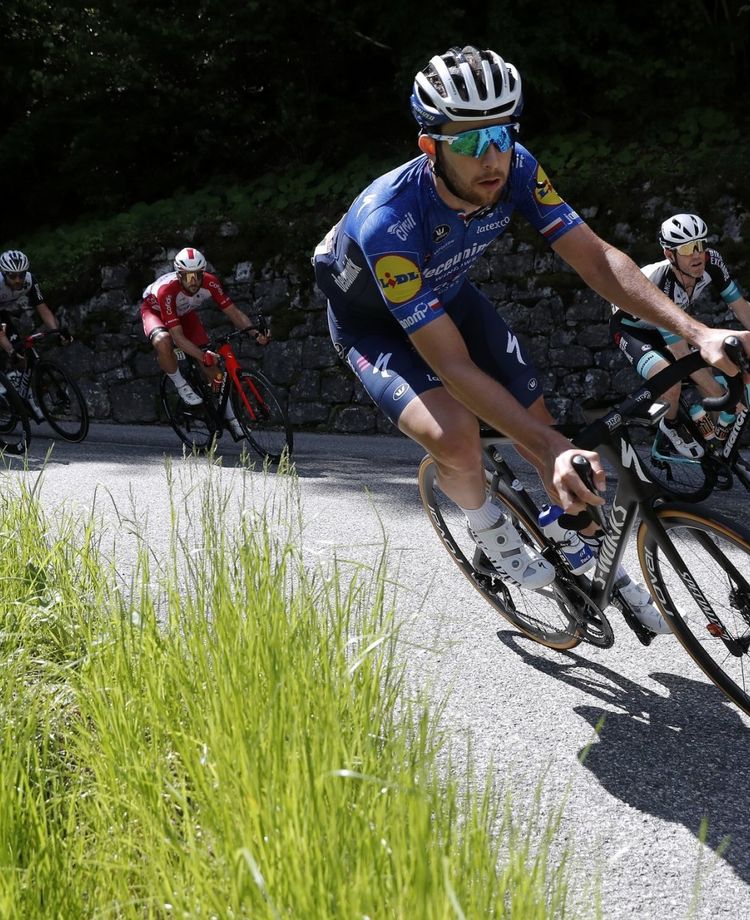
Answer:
(232, 368)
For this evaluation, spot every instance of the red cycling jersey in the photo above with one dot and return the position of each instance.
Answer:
(167, 298)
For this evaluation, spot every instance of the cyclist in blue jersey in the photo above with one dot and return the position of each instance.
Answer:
(428, 346)
(689, 268)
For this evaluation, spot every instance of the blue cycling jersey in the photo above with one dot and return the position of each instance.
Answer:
(401, 252)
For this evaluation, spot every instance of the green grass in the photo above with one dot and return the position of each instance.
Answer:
(224, 731)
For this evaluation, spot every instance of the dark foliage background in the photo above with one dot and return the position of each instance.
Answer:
(118, 102)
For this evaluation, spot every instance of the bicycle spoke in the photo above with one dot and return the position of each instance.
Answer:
(710, 595)
(541, 615)
(262, 417)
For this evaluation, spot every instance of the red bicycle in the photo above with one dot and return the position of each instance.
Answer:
(257, 408)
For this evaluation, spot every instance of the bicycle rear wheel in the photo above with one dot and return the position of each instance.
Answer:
(262, 417)
(61, 401)
(706, 600)
(15, 431)
(541, 615)
(194, 425)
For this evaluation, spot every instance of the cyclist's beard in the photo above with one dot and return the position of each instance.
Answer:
(458, 187)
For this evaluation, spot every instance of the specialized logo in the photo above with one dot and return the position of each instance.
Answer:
(629, 459)
(402, 228)
(399, 278)
(381, 365)
(365, 201)
(533, 384)
(543, 191)
(400, 391)
(514, 347)
(440, 233)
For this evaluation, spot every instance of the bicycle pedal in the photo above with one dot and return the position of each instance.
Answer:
(643, 633)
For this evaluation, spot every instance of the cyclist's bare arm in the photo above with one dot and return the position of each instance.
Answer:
(741, 309)
(616, 278)
(240, 321)
(443, 348)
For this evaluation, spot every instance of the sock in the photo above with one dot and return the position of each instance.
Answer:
(229, 412)
(177, 379)
(594, 540)
(487, 515)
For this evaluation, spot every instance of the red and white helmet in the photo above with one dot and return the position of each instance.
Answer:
(189, 260)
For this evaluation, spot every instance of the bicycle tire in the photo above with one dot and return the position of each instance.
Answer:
(15, 430)
(195, 426)
(61, 401)
(677, 477)
(541, 617)
(262, 417)
(716, 558)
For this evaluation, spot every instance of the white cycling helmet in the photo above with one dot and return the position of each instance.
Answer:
(189, 260)
(682, 228)
(466, 84)
(13, 260)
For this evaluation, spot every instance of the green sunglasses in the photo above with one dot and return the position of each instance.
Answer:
(476, 143)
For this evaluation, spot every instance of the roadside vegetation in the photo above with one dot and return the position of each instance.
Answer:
(221, 730)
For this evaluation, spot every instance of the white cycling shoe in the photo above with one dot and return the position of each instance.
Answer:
(511, 557)
(690, 449)
(188, 395)
(641, 603)
(235, 429)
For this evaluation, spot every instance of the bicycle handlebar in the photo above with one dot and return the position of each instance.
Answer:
(735, 385)
(35, 337)
(632, 406)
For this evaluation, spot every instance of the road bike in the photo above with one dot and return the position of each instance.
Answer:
(48, 392)
(257, 408)
(721, 465)
(695, 564)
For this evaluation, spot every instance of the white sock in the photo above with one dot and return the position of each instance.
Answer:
(229, 412)
(177, 379)
(487, 515)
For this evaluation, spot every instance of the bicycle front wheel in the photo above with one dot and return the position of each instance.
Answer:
(705, 599)
(676, 476)
(15, 431)
(60, 400)
(261, 416)
(541, 615)
(194, 425)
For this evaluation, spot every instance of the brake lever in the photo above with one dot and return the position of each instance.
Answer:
(735, 385)
(582, 466)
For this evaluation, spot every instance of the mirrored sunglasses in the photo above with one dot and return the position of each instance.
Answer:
(476, 143)
(187, 277)
(687, 249)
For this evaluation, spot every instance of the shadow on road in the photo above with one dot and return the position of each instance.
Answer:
(681, 756)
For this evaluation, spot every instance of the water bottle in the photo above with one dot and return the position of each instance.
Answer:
(577, 554)
(703, 422)
(724, 424)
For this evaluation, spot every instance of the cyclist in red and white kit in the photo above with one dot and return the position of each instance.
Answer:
(170, 320)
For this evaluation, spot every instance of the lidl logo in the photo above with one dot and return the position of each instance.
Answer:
(543, 191)
(399, 278)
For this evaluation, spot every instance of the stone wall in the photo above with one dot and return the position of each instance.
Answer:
(564, 324)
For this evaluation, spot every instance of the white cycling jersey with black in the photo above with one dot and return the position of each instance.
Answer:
(664, 277)
(29, 290)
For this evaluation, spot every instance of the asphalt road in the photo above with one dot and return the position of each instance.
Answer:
(671, 751)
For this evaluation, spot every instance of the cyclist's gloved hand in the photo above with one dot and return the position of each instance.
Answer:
(210, 358)
(66, 336)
